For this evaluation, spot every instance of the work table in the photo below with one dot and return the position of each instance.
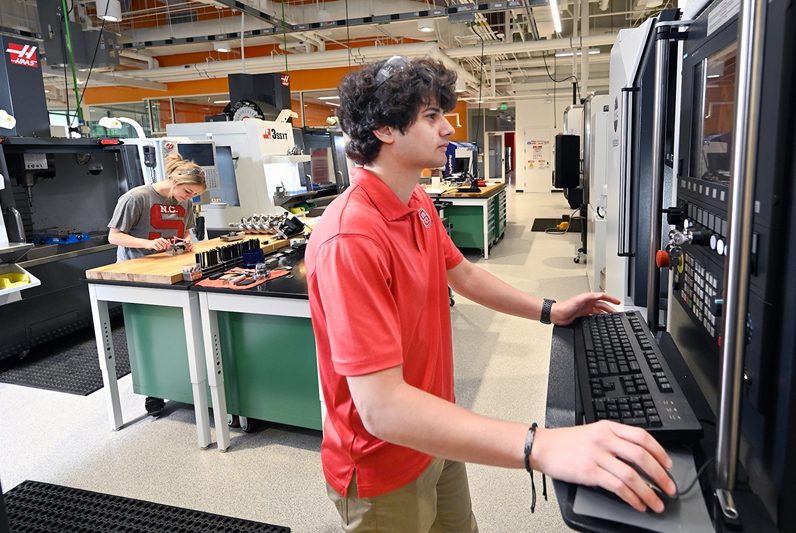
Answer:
(234, 344)
(477, 219)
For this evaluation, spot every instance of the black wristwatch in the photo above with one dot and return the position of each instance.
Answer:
(547, 306)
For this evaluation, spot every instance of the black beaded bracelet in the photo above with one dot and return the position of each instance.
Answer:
(528, 448)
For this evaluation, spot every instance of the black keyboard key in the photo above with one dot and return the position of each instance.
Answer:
(639, 422)
(622, 360)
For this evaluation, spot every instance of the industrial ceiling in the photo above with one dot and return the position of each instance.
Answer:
(504, 50)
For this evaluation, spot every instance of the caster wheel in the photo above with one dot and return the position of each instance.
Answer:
(247, 424)
(154, 406)
(577, 259)
(233, 421)
(452, 302)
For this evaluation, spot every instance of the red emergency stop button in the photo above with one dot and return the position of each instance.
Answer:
(662, 259)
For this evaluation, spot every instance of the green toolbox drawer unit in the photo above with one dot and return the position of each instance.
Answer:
(466, 218)
(269, 362)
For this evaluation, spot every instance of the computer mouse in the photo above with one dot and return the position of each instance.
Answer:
(665, 498)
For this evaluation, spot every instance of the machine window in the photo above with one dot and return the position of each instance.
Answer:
(714, 112)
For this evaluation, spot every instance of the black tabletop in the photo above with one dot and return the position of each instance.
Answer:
(292, 285)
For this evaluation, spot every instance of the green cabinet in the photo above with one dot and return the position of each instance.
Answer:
(269, 362)
(466, 218)
(467, 225)
(270, 368)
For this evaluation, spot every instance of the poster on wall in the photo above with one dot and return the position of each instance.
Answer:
(538, 154)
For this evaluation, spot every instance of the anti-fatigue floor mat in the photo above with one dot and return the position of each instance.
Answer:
(34, 506)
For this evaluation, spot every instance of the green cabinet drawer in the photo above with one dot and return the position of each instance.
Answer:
(270, 368)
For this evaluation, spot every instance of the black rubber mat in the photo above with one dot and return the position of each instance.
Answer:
(42, 507)
(68, 364)
(543, 224)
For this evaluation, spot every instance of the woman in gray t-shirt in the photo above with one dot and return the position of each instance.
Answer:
(146, 217)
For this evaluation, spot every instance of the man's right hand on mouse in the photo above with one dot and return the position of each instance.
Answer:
(590, 455)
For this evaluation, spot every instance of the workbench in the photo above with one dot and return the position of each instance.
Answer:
(260, 352)
(252, 349)
(477, 219)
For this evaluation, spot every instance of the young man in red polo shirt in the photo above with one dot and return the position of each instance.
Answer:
(379, 264)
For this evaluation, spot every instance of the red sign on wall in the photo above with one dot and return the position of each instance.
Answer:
(23, 54)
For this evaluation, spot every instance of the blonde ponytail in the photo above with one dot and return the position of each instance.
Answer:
(182, 172)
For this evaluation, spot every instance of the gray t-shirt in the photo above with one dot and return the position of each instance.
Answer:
(143, 213)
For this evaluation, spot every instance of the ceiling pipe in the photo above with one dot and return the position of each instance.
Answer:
(139, 56)
(315, 39)
(362, 56)
(315, 60)
(548, 45)
(296, 46)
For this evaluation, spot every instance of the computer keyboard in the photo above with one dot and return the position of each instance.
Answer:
(623, 377)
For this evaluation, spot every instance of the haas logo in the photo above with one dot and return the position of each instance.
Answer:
(22, 54)
(285, 80)
(270, 133)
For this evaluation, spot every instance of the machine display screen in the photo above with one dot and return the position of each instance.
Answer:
(461, 165)
(228, 183)
(199, 153)
(713, 115)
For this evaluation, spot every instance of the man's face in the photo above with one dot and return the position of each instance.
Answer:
(426, 140)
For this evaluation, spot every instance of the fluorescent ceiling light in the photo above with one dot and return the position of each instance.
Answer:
(332, 103)
(328, 98)
(425, 25)
(556, 18)
(109, 10)
(714, 75)
(221, 47)
(592, 52)
(220, 101)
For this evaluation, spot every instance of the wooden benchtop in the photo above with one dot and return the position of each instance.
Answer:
(164, 269)
(486, 191)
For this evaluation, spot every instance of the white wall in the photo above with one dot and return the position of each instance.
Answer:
(532, 116)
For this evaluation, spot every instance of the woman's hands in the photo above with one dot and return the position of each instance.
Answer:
(162, 243)
(158, 244)
(588, 303)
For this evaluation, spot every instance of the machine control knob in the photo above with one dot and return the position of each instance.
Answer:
(675, 215)
(714, 239)
(701, 237)
(662, 259)
(720, 248)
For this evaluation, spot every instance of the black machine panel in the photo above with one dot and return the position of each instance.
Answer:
(567, 174)
(640, 148)
(704, 178)
(65, 191)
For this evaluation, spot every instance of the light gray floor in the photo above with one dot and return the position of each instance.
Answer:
(274, 475)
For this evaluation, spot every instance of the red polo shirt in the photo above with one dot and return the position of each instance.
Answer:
(377, 275)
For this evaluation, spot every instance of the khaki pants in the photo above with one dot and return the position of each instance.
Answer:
(437, 501)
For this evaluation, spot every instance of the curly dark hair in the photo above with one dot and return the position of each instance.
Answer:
(367, 104)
